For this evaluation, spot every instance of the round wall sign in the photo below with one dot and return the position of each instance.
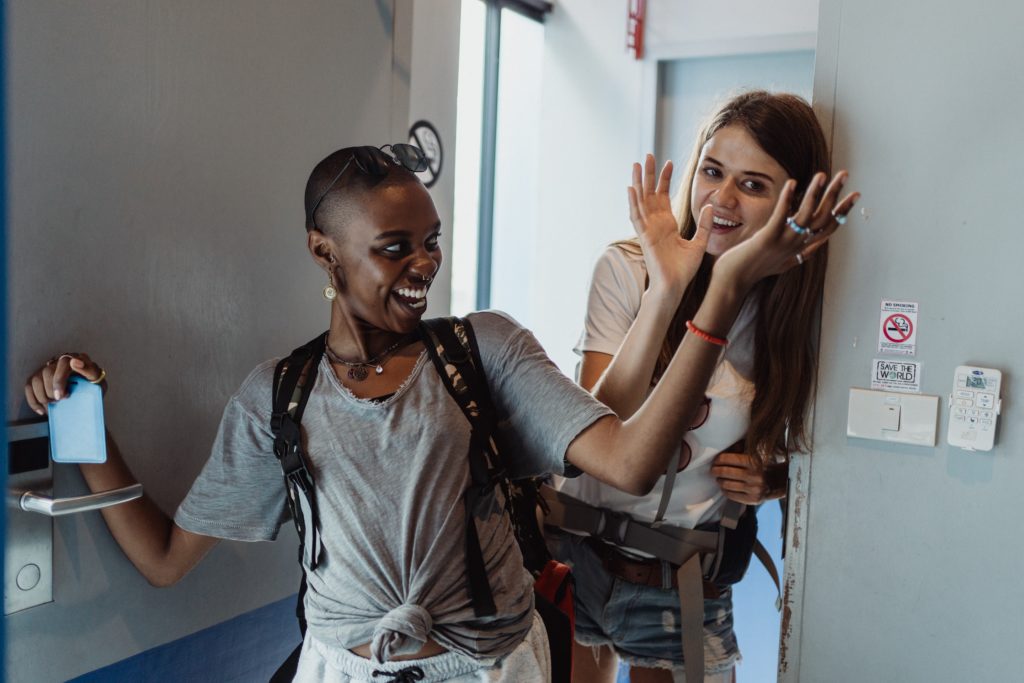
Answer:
(424, 135)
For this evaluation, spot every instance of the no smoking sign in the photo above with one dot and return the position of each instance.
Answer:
(898, 331)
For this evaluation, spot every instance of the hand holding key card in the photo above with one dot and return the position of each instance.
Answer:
(76, 424)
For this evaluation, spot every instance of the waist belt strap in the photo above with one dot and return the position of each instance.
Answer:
(669, 543)
(691, 611)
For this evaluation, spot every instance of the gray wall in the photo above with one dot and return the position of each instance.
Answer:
(158, 152)
(912, 556)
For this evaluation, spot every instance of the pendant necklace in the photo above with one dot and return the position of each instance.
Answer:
(360, 370)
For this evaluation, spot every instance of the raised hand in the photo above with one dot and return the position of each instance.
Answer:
(671, 260)
(784, 242)
(49, 382)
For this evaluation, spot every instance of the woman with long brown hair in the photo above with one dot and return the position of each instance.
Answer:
(642, 301)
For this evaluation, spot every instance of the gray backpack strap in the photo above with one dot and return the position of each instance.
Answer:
(691, 611)
(769, 565)
(666, 489)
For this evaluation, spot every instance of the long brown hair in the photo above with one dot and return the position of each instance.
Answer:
(788, 305)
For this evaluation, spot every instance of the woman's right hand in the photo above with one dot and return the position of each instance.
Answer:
(49, 383)
(671, 260)
(776, 247)
(162, 551)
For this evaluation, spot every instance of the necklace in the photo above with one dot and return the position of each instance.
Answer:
(359, 370)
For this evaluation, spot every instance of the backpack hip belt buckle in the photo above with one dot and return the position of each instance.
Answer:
(613, 527)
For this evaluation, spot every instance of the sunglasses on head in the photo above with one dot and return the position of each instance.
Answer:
(374, 161)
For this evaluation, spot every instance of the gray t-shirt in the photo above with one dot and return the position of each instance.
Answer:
(390, 478)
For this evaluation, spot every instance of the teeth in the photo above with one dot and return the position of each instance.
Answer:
(413, 293)
(721, 221)
(418, 304)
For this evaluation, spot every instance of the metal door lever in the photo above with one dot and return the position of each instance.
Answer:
(55, 507)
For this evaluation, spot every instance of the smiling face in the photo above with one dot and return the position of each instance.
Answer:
(386, 256)
(740, 181)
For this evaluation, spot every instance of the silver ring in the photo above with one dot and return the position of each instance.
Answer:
(799, 259)
(840, 218)
(796, 227)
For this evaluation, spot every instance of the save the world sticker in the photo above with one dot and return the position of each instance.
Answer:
(896, 375)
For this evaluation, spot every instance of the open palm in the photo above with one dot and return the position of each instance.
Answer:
(671, 260)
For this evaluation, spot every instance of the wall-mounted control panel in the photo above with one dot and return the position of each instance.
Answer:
(892, 416)
(974, 407)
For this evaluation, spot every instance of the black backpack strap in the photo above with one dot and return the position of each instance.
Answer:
(294, 377)
(522, 495)
(293, 382)
(449, 348)
(455, 338)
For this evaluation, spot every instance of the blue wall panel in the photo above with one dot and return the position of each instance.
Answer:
(247, 648)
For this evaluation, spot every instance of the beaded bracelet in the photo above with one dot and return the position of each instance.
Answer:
(701, 334)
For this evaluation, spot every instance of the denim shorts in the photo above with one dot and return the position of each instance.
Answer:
(640, 622)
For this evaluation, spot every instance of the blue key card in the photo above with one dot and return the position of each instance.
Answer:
(76, 424)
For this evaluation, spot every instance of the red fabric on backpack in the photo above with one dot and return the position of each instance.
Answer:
(553, 590)
(555, 584)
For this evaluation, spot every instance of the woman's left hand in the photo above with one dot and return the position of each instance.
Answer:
(743, 480)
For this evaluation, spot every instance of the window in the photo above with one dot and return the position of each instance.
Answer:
(501, 47)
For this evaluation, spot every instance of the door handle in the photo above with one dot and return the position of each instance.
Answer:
(55, 507)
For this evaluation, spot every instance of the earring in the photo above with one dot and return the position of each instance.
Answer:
(329, 291)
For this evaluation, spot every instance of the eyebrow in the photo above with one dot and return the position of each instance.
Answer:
(391, 234)
(756, 174)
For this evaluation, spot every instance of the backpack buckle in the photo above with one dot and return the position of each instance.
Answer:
(613, 527)
(299, 478)
(289, 436)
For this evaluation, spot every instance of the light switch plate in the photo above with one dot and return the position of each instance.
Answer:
(889, 416)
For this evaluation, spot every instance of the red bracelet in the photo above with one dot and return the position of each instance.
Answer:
(701, 334)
